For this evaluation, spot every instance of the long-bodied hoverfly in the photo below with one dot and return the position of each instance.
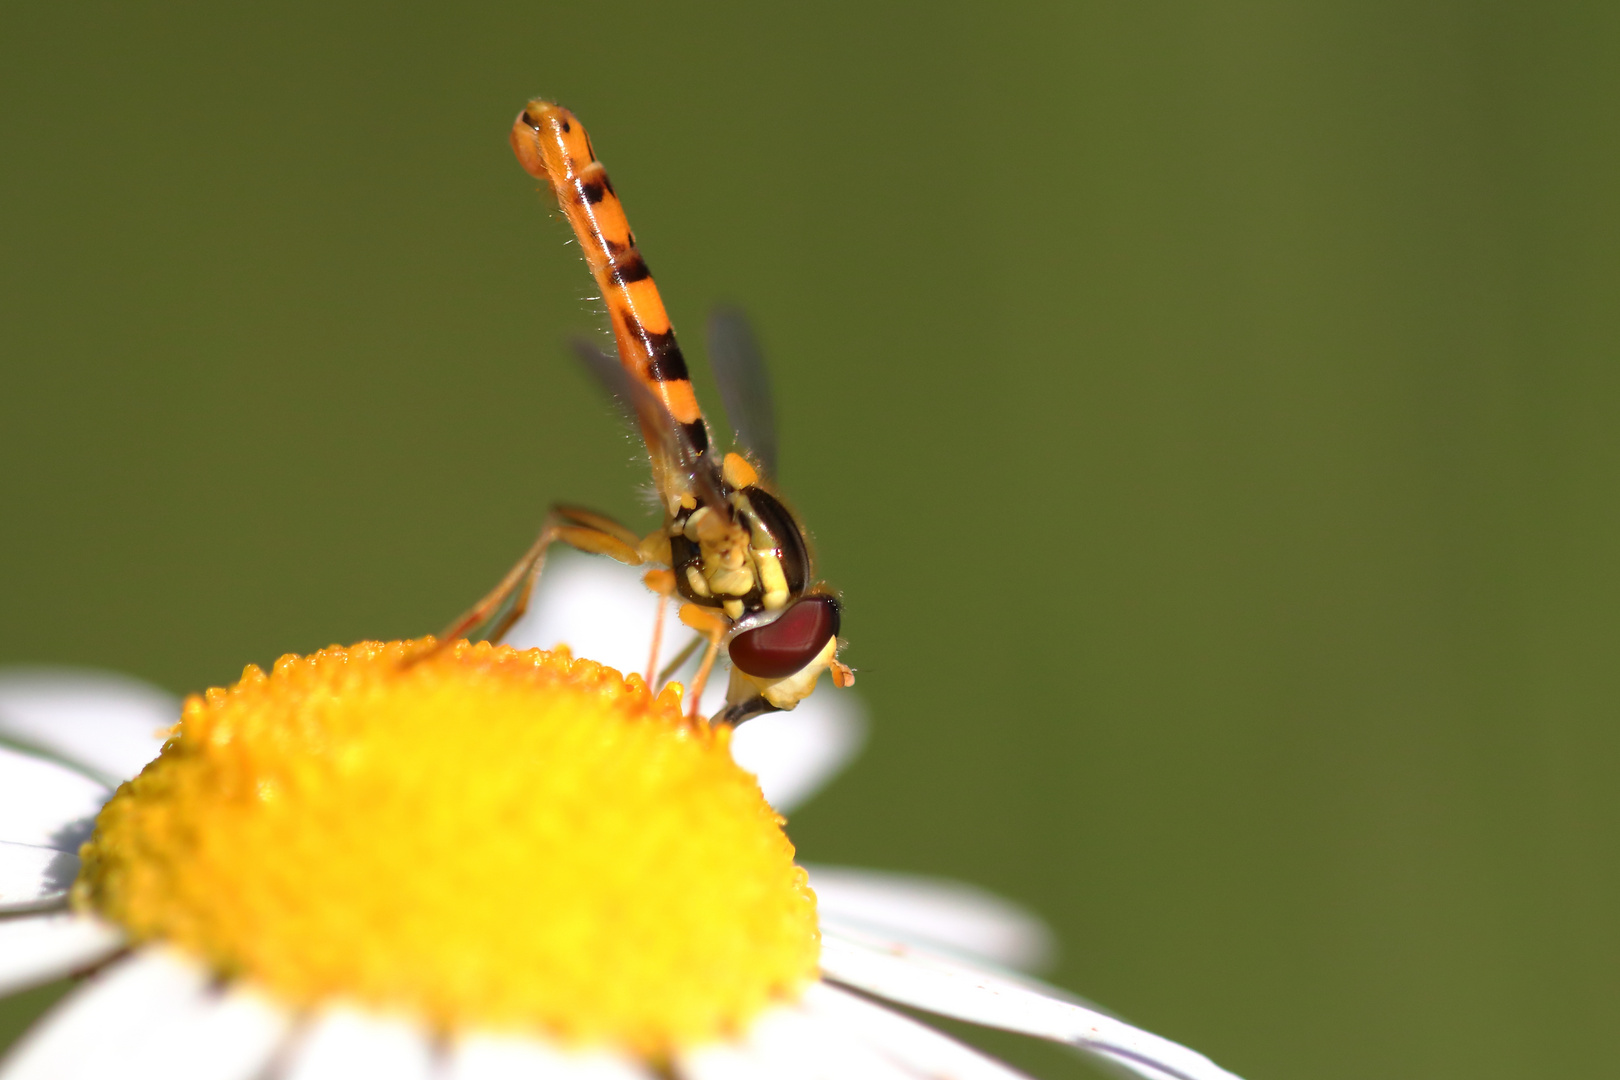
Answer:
(727, 547)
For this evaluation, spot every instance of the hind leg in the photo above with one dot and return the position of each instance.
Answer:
(584, 530)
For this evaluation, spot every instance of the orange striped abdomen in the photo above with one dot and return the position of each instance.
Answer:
(552, 145)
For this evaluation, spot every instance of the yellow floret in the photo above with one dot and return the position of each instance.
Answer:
(487, 838)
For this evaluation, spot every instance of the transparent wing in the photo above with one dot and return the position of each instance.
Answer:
(642, 406)
(610, 375)
(745, 385)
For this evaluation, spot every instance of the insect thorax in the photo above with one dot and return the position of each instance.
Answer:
(755, 563)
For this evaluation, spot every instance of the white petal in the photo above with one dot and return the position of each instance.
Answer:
(513, 1057)
(344, 1043)
(718, 1061)
(793, 1043)
(231, 1036)
(1117, 1066)
(932, 912)
(173, 1025)
(598, 608)
(939, 985)
(34, 877)
(103, 1026)
(795, 753)
(39, 948)
(105, 722)
(46, 804)
(916, 1046)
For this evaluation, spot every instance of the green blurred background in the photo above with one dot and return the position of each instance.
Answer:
(1207, 409)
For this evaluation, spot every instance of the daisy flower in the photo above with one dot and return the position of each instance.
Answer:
(496, 863)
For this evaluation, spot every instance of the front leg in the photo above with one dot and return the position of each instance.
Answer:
(714, 626)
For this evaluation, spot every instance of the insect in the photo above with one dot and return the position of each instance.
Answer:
(727, 547)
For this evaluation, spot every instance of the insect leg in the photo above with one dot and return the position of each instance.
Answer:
(701, 679)
(582, 529)
(714, 626)
(679, 659)
(661, 582)
(590, 519)
(657, 643)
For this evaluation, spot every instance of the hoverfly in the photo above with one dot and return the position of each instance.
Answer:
(727, 546)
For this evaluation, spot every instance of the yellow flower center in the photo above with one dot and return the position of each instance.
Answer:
(488, 838)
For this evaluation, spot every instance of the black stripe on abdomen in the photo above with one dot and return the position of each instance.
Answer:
(665, 364)
(596, 190)
(632, 269)
(697, 436)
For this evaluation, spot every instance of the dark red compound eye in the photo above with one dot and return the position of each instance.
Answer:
(778, 649)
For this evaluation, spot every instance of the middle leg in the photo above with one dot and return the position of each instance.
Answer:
(714, 626)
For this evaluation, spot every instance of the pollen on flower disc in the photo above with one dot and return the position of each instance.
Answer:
(488, 838)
